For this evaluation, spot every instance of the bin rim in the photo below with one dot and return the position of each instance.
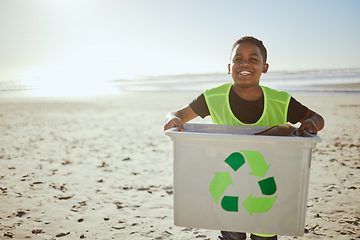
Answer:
(215, 130)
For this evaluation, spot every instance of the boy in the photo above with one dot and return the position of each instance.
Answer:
(246, 102)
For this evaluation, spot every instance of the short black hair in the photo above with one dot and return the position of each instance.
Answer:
(255, 41)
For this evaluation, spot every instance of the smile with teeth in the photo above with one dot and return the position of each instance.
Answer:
(245, 73)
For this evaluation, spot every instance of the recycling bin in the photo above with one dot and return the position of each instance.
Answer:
(227, 178)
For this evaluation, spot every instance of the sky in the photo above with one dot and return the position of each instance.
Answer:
(96, 40)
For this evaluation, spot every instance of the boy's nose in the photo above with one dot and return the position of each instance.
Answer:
(244, 62)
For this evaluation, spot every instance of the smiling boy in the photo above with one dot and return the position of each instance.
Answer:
(246, 102)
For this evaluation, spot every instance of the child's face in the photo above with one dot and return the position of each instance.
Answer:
(247, 65)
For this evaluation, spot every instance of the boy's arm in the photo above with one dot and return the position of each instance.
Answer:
(178, 118)
(312, 122)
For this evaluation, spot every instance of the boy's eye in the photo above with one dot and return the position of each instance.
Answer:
(253, 60)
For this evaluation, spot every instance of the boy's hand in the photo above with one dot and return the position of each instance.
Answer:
(178, 118)
(311, 122)
(308, 125)
(174, 122)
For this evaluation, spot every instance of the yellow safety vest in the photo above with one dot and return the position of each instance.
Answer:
(276, 105)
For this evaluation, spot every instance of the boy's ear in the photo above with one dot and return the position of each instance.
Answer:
(229, 68)
(265, 68)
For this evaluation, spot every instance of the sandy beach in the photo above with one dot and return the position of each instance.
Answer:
(101, 168)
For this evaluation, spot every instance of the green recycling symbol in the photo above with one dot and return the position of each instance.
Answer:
(259, 168)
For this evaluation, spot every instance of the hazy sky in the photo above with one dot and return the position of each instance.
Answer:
(111, 39)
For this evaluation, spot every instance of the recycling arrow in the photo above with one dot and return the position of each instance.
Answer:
(259, 168)
(235, 160)
(256, 162)
(219, 184)
(230, 203)
(268, 186)
(258, 205)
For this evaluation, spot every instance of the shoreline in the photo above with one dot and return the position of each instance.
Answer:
(318, 89)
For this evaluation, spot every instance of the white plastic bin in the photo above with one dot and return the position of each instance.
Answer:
(226, 178)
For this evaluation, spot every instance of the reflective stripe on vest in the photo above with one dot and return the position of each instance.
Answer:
(276, 105)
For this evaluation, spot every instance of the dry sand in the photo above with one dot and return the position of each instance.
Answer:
(101, 168)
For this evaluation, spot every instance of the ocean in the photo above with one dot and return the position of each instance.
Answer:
(301, 81)
(315, 82)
